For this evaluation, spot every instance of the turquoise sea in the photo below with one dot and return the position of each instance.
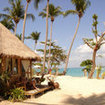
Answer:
(77, 72)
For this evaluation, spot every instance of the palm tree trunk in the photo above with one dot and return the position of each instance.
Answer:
(15, 29)
(35, 46)
(94, 64)
(85, 73)
(46, 36)
(50, 46)
(71, 47)
(24, 23)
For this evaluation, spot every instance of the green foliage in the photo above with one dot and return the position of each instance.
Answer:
(17, 94)
(3, 88)
(53, 11)
(90, 42)
(34, 36)
(87, 64)
(57, 53)
(4, 78)
(8, 23)
(15, 12)
(80, 7)
(95, 23)
(19, 36)
(99, 68)
(36, 3)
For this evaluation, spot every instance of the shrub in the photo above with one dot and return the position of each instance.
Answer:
(17, 94)
(2, 88)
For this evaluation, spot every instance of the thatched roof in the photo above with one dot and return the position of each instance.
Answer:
(11, 46)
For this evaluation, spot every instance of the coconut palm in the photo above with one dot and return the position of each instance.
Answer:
(53, 12)
(8, 23)
(36, 2)
(34, 36)
(44, 58)
(47, 11)
(15, 12)
(80, 8)
(19, 36)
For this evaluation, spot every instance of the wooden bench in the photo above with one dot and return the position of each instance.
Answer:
(32, 93)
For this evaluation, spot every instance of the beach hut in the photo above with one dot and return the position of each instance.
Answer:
(15, 56)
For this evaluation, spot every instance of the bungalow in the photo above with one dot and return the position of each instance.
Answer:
(15, 56)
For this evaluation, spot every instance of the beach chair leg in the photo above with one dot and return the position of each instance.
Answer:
(43, 92)
(32, 96)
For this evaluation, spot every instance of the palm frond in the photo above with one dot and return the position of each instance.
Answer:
(53, 11)
(36, 3)
(4, 16)
(8, 23)
(89, 43)
(70, 12)
(28, 37)
(31, 16)
(43, 14)
(81, 5)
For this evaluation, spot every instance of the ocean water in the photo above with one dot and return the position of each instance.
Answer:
(74, 72)
(77, 72)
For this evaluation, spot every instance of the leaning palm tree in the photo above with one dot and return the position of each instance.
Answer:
(15, 12)
(80, 8)
(36, 2)
(34, 36)
(44, 58)
(8, 23)
(53, 12)
(47, 11)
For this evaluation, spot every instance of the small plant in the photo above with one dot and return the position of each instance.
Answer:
(99, 68)
(16, 94)
(87, 64)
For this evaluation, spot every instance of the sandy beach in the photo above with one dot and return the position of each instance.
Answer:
(73, 91)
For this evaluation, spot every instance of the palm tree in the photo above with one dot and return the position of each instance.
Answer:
(44, 58)
(96, 44)
(80, 8)
(15, 12)
(8, 23)
(34, 36)
(19, 36)
(36, 2)
(53, 12)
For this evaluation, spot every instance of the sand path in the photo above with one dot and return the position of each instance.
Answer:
(74, 91)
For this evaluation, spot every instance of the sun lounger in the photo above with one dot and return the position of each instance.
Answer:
(32, 93)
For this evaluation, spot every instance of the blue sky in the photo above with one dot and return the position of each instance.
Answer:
(63, 28)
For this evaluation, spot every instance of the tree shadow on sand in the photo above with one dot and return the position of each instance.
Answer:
(92, 100)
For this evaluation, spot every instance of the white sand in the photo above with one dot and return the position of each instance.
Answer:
(74, 91)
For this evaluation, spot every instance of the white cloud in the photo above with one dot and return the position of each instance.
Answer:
(83, 52)
(83, 49)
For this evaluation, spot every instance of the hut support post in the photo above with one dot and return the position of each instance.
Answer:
(19, 67)
(31, 74)
(3, 64)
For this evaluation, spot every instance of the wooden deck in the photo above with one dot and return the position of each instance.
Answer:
(32, 93)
